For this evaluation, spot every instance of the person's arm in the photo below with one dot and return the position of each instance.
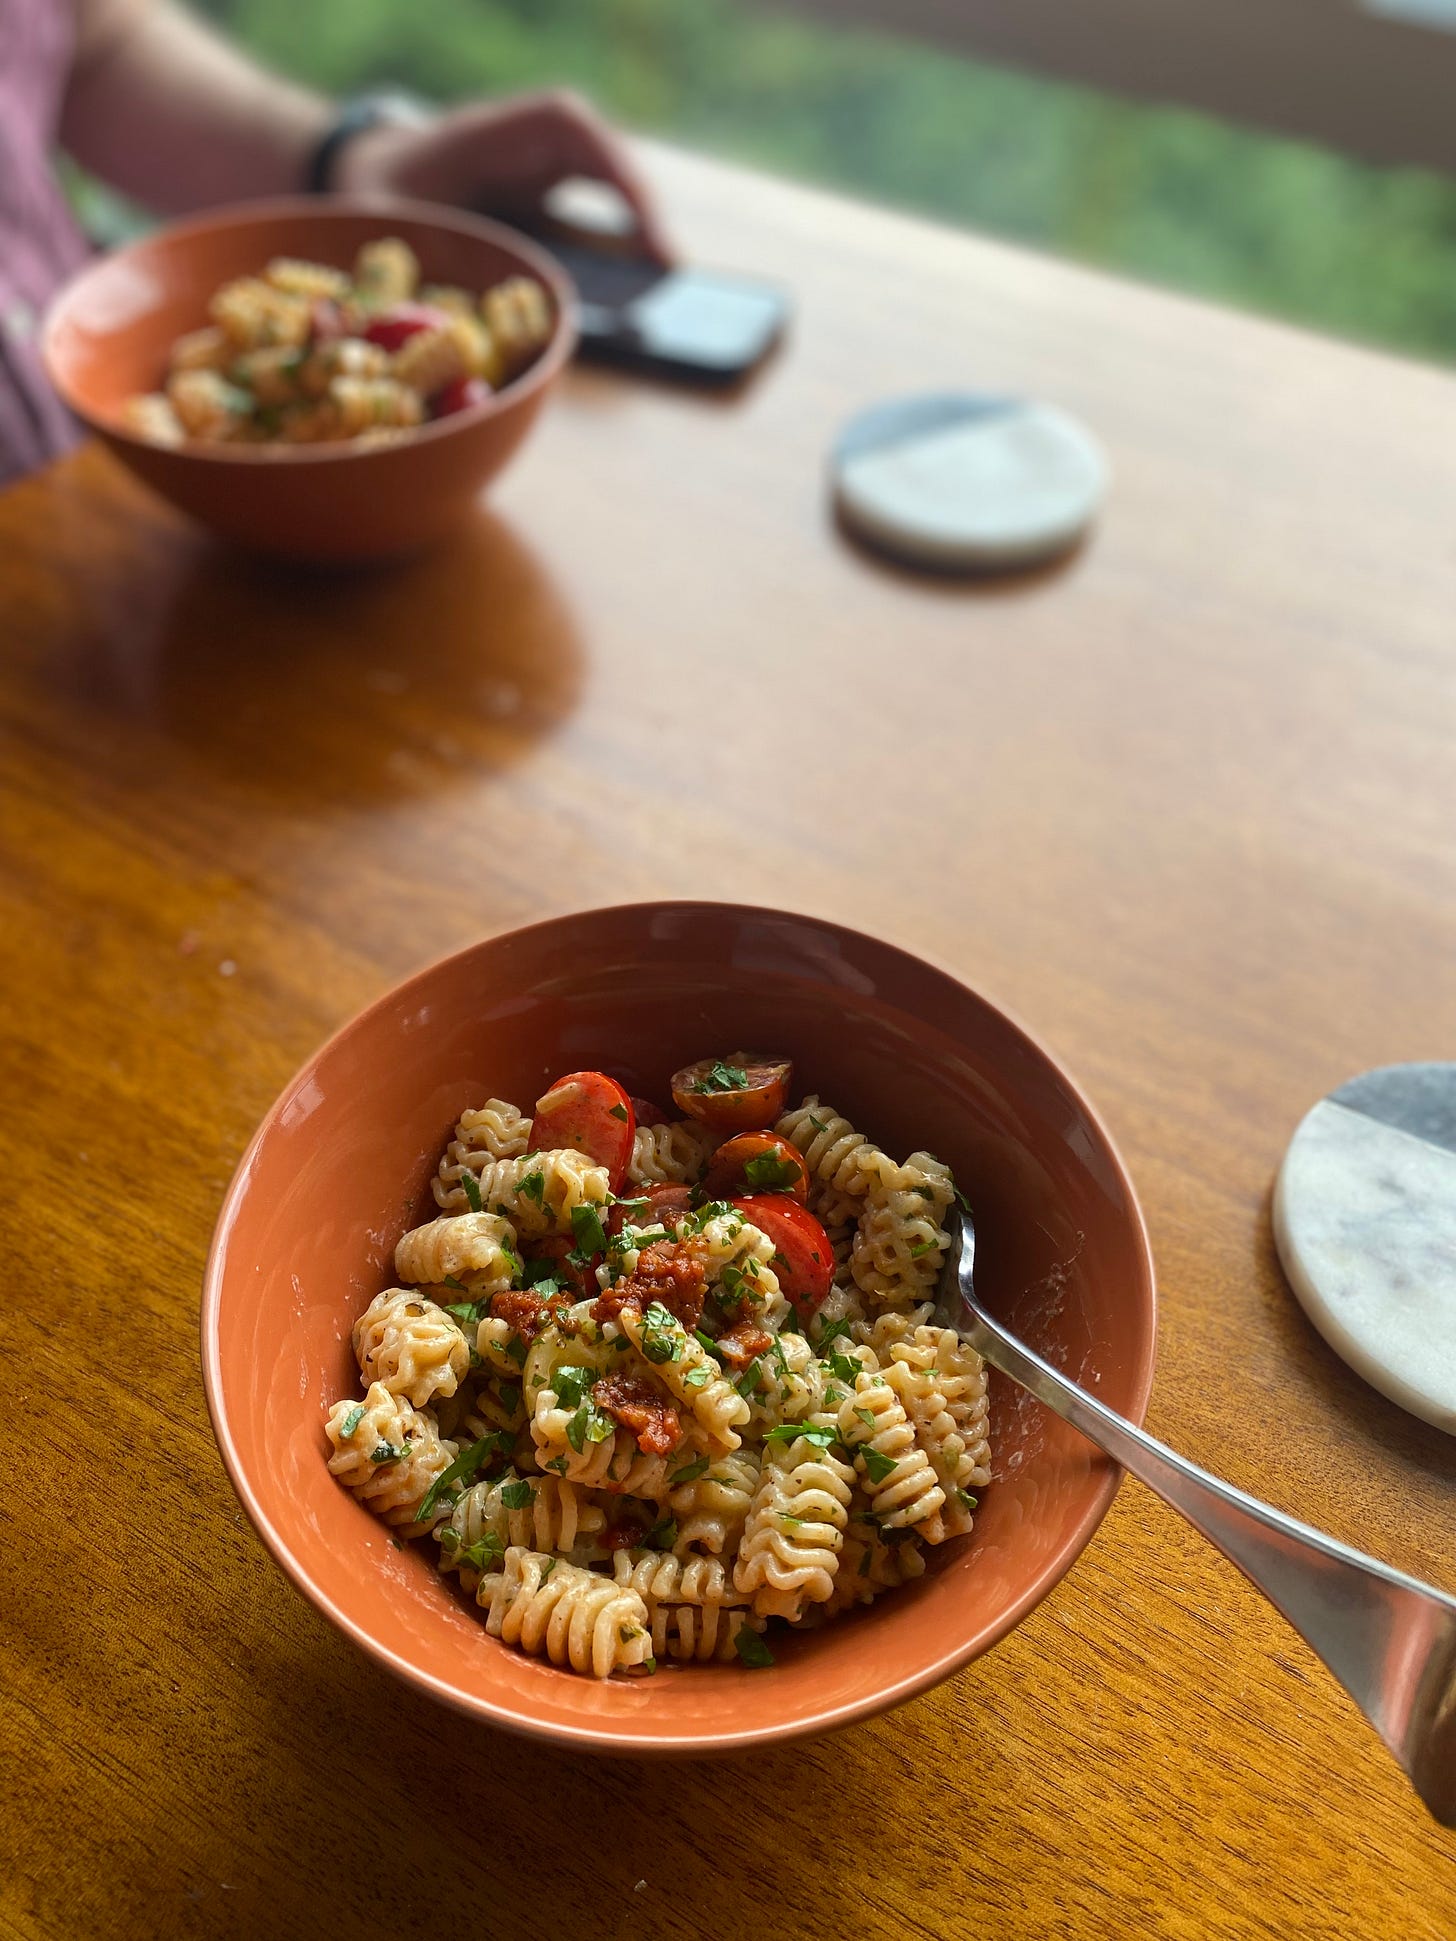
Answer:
(167, 111)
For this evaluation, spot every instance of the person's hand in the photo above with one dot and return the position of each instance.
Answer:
(503, 156)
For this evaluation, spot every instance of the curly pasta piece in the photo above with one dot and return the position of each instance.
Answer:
(869, 1565)
(699, 1632)
(476, 1249)
(389, 1454)
(151, 417)
(517, 314)
(839, 1158)
(386, 271)
(660, 1577)
(303, 279)
(540, 1512)
(252, 313)
(571, 1616)
(410, 1346)
(901, 1243)
(207, 405)
(339, 357)
(790, 1383)
(795, 1529)
(958, 1374)
(937, 1435)
(671, 1154)
(615, 1462)
(208, 349)
(711, 1503)
(428, 361)
(689, 1373)
(496, 1404)
(486, 1133)
(896, 1473)
(538, 1192)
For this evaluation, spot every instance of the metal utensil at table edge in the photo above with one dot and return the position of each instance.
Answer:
(1388, 1638)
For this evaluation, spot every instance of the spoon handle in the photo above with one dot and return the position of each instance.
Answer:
(1388, 1638)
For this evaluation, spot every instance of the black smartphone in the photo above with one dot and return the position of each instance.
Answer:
(700, 325)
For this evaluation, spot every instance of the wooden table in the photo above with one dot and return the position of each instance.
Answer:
(1187, 804)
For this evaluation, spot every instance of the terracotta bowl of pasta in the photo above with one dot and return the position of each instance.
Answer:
(565, 1335)
(329, 379)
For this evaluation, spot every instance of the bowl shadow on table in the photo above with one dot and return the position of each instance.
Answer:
(643, 1819)
(1368, 1414)
(366, 685)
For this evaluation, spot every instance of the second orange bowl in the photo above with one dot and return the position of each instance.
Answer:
(109, 333)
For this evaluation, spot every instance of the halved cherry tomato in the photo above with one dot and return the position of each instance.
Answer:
(648, 1114)
(590, 1113)
(462, 395)
(391, 328)
(803, 1258)
(664, 1202)
(737, 1093)
(757, 1162)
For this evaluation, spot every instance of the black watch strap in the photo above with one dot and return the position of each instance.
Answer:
(356, 115)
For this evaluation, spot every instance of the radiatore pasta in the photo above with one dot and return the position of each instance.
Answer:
(656, 1392)
(309, 354)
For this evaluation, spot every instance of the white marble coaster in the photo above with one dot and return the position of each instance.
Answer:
(1365, 1223)
(961, 482)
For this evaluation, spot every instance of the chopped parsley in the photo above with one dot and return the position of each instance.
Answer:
(662, 1338)
(484, 1553)
(843, 1366)
(572, 1385)
(923, 1247)
(867, 1416)
(467, 1313)
(877, 1466)
(690, 1472)
(751, 1648)
(470, 1187)
(864, 1563)
(516, 1349)
(818, 1124)
(965, 1499)
(459, 1286)
(464, 1468)
(709, 1343)
(589, 1424)
(588, 1232)
(722, 1078)
(533, 1187)
(619, 1112)
(700, 1376)
(550, 1565)
(771, 1174)
(832, 1332)
(559, 1464)
(822, 1437)
(663, 1535)
(386, 1452)
(352, 1420)
(517, 1495)
(510, 1396)
(751, 1379)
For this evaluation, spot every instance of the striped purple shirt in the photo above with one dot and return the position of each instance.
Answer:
(40, 244)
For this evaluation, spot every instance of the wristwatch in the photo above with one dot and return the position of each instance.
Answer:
(357, 114)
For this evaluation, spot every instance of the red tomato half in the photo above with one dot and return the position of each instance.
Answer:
(803, 1258)
(590, 1113)
(757, 1162)
(664, 1202)
(734, 1094)
(648, 1114)
(391, 328)
(462, 395)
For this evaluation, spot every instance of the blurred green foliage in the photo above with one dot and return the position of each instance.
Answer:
(1172, 196)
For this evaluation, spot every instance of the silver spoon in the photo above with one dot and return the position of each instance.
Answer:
(1388, 1638)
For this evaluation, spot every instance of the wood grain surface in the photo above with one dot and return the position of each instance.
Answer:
(1187, 805)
